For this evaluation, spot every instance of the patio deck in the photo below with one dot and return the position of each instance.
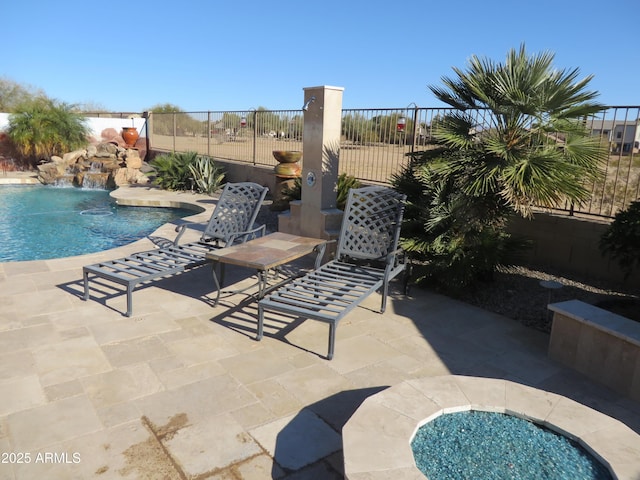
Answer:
(182, 390)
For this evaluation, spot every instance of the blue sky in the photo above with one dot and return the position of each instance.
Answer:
(236, 55)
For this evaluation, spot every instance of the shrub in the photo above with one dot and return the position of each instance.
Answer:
(187, 171)
(41, 128)
(622, 239)
(454, 239)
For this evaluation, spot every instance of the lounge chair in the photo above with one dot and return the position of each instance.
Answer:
(367, 258)
(232, 222)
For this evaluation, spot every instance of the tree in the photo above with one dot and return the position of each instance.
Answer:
(13, 94)
(515, 139)
(536, 149)
(41, 128)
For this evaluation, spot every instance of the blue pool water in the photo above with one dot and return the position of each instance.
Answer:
(483, 445)
(38, 222)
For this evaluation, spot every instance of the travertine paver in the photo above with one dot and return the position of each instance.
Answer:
(45, 425)
(199, 446)
(183, 388)
(298, 440)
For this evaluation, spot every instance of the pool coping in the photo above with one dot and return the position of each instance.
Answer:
(376, 439)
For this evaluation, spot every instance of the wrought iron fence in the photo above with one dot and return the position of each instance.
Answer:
(375, 143)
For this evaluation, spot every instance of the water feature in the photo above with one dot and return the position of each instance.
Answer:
(42, 222)
(475, 444)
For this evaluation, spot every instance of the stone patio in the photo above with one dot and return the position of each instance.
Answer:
(182, 390)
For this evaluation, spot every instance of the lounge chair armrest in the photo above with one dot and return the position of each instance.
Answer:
(181, 229)
(320, 252)
(248, 235)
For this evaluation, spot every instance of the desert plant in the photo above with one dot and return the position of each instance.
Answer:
(41, 128)
(621, 240)
(207, 176)
(172, 170)
(344, 184)
(530, 149)
(187, 171)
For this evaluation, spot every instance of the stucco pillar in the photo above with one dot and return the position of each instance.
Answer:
(316, 214)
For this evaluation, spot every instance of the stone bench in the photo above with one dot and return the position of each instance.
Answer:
(598, 343)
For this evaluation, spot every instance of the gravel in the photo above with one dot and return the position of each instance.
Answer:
(516, 292)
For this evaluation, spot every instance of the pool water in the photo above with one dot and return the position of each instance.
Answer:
(43, 222)
(486, 445)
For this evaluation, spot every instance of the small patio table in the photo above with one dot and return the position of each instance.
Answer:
(265, 254)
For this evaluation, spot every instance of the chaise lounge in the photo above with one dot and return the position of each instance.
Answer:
(367, 258)
(232, 222)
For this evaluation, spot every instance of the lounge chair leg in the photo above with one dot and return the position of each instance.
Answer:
(86, 285)
(385, 291)
(129, 301)
(217, 284)
(260, 322)
(332, 340)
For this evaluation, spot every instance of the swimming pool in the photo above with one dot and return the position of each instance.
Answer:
(44, 222)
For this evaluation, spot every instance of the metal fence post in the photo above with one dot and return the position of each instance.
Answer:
(174, 131)
(415, 128)
(255, 134)
(208, 134)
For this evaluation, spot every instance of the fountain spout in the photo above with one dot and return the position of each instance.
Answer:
(305, 107)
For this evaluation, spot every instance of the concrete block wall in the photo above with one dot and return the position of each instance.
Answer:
(600, 344)
(569, 244)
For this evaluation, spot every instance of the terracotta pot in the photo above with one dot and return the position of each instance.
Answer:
(130, 135)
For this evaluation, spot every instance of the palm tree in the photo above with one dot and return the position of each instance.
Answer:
(534, 148)
(516, 139)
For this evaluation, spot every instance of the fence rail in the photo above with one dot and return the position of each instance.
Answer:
(375, 143)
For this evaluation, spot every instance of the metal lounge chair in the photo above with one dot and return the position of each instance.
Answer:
(367, 258)
(231, 222)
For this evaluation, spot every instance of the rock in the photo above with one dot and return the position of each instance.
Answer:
(72, 157)
(125, 176)
(109, 134)
(133, 159)
(105, 164)
(91, 151)
(142, 179)
(47, 173)
(106, 150)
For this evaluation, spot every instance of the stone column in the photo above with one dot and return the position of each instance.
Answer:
(316, 214)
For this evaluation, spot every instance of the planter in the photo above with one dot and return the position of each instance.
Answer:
(288, 166)
(130, 136)
(287, 170)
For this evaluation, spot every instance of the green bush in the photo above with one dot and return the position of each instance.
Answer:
(622, 239)
(454, 239)
(41, 128)
(187, 171)
(345, 183)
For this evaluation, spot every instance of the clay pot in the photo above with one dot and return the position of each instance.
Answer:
(130, 135)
